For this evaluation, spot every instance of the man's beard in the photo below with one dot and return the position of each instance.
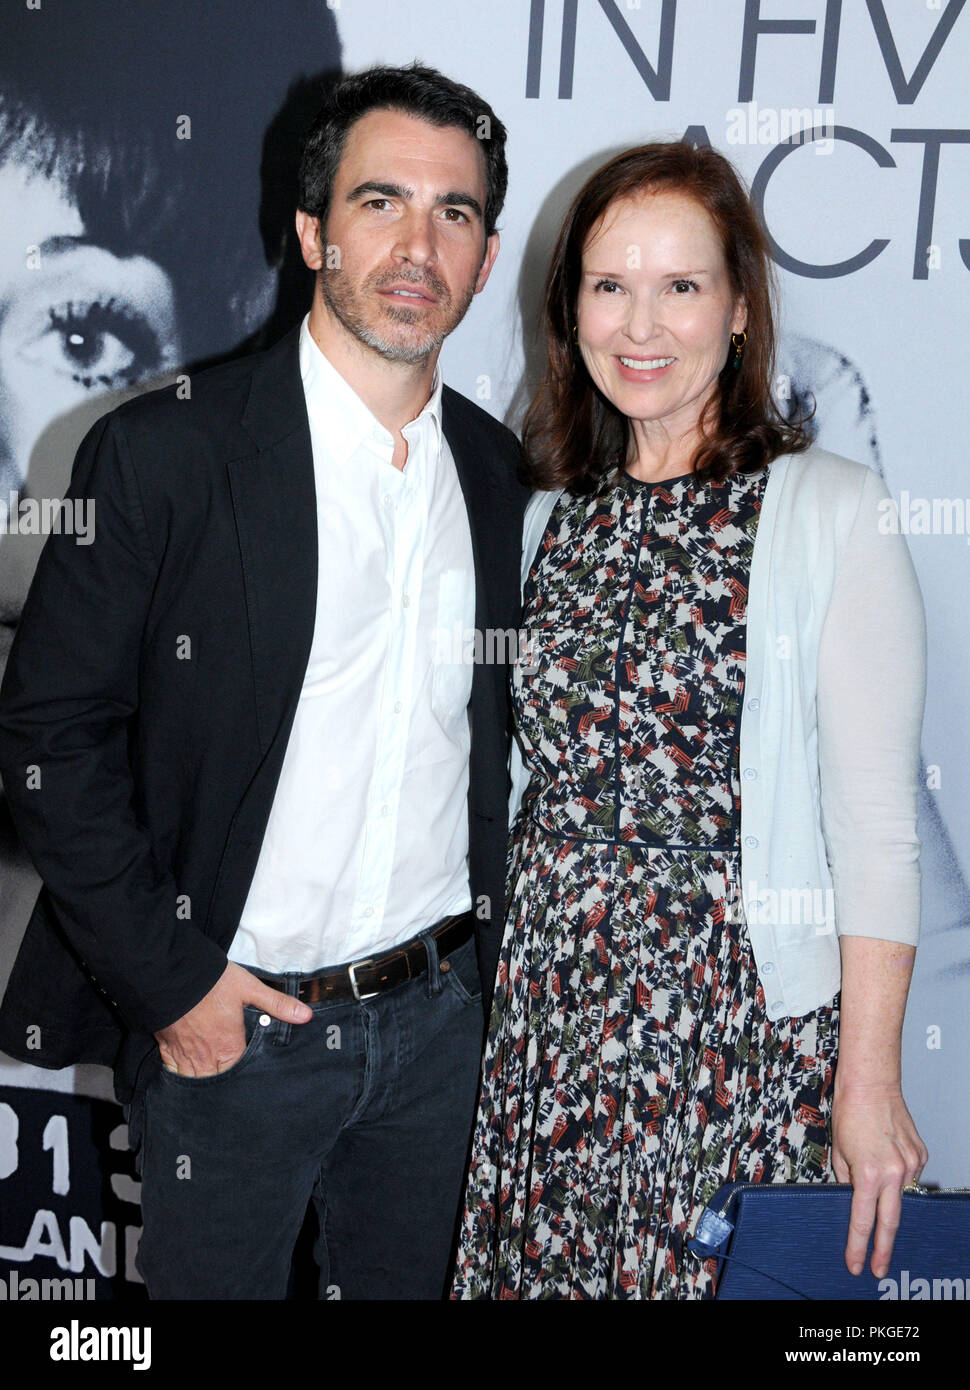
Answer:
(345, 303)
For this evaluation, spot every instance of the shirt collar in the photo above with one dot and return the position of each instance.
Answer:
(349, 422)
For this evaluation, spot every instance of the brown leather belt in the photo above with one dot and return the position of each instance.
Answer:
(378, 973)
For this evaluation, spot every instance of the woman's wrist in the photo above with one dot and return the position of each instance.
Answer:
(866, 1087)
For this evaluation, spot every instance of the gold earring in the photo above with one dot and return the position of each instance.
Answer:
(738, 341)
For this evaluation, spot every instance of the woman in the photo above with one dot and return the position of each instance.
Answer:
(695, 896)
(135, 143)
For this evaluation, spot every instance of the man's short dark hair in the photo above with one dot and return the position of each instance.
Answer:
(418, 91)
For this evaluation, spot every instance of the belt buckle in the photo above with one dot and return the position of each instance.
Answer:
(357, 965)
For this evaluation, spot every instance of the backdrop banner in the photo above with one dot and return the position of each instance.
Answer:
(147, 188)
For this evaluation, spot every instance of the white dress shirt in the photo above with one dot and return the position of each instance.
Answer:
(830, 725)
(367, 840)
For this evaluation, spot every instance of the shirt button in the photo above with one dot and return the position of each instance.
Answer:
(405, 600)
(398, 706)
(386, 499)
(750, 773)
(751, 841)
(775, 1006)
(265, 1020)
(385, 809)
(754, 704)
(368, 912)
(768, 967)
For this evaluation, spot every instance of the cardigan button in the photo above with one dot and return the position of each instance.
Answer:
(751, 841)
(768, 967)
(750, 772)
(755, 703)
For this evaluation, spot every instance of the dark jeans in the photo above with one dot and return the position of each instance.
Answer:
(366, 1111)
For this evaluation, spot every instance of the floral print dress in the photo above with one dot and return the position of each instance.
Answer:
(630, 1067)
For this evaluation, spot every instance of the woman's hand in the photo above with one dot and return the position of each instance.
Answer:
(875, 1147)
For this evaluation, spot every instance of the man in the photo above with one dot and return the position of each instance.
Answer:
(237, 740)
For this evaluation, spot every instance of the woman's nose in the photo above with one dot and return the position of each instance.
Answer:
(642, 320)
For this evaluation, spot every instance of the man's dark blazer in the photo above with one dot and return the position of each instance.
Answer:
(151, 689)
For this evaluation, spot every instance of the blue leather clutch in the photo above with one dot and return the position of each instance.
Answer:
(787, 1241)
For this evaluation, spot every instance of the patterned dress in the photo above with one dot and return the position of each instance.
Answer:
(630, 1067)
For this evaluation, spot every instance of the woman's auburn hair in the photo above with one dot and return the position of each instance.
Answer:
(572, 435)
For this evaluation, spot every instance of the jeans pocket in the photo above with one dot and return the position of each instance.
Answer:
(254, 1039)
(462, 974)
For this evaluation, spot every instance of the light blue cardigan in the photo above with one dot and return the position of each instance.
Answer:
(830, 724)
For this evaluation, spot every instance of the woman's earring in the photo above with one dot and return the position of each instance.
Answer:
(738, 341)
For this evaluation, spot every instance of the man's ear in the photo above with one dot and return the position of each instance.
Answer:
(310, 238)
(491, 251)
